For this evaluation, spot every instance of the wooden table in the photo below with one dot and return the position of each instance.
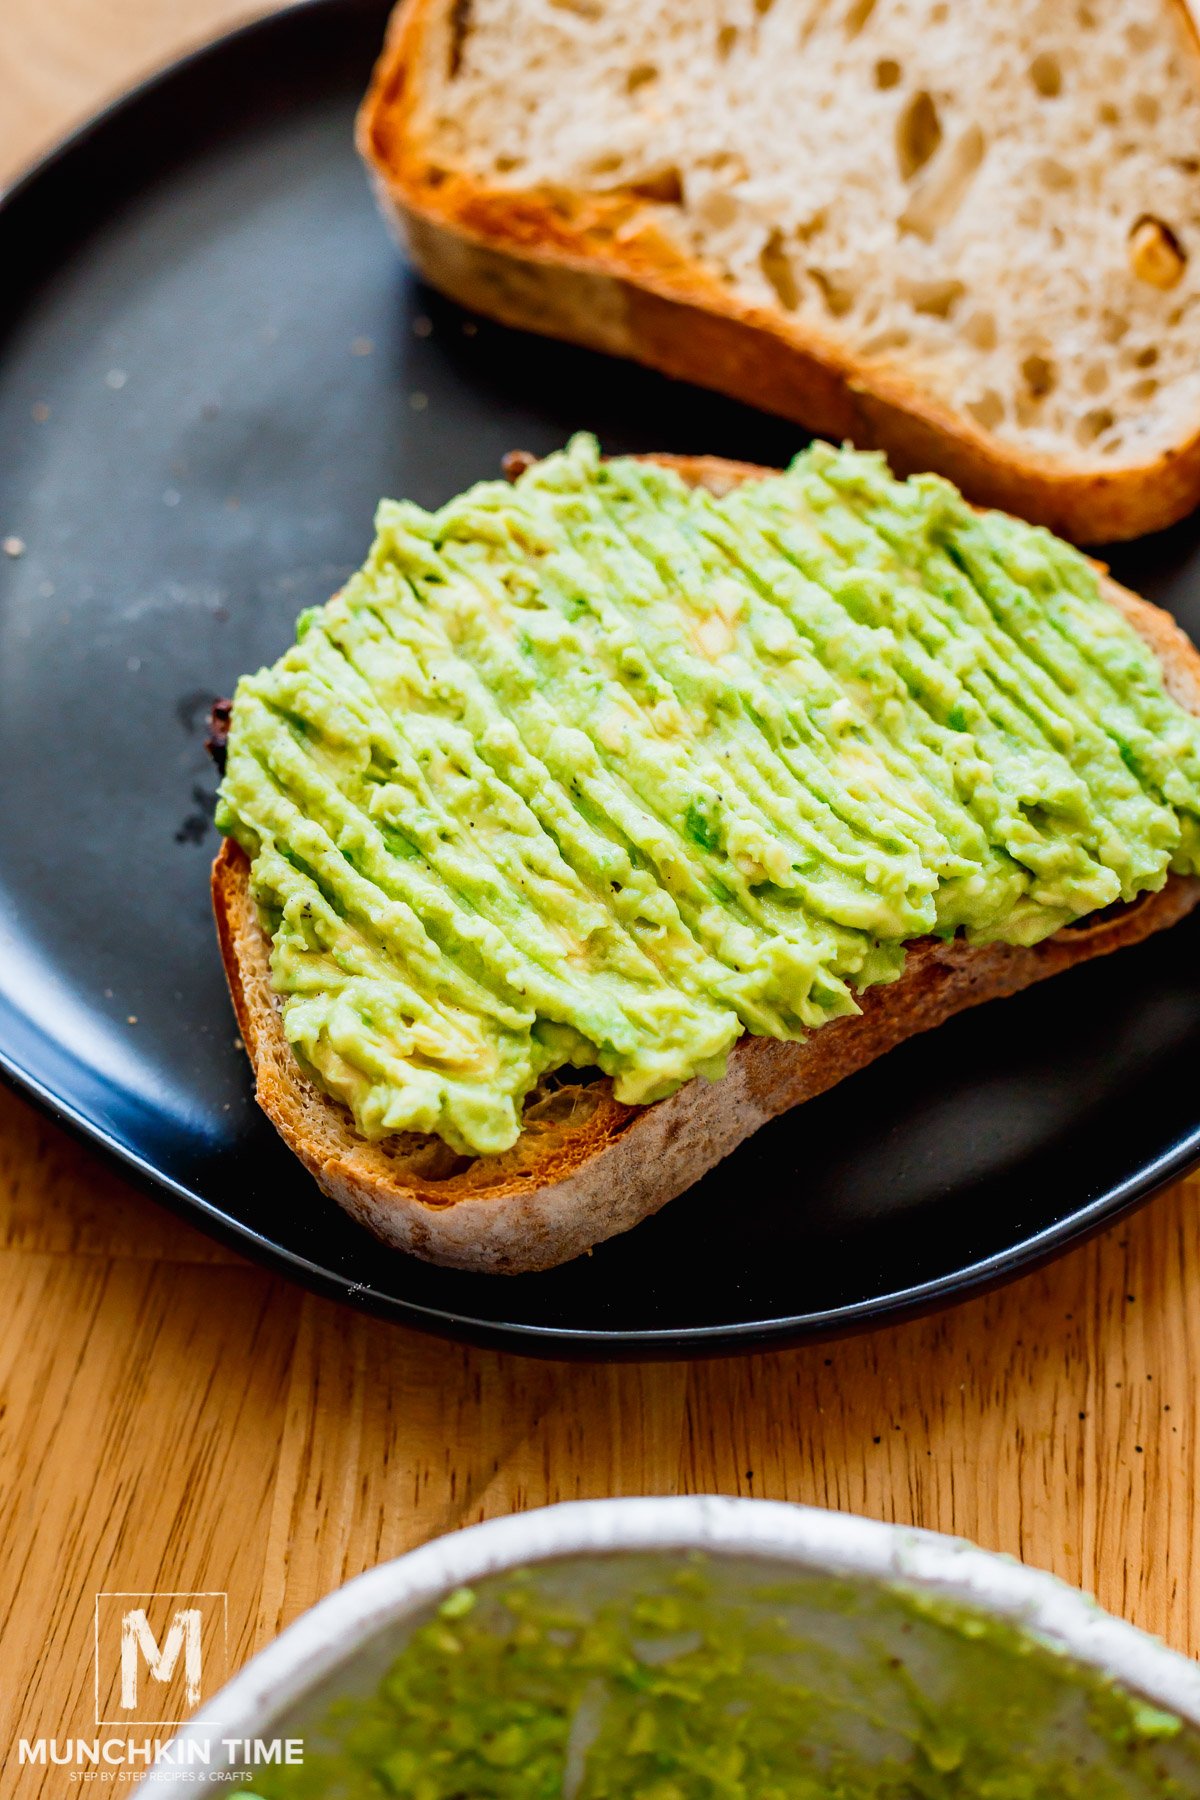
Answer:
(174, 1418)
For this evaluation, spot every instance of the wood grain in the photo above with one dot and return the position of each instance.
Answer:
(173, 1418)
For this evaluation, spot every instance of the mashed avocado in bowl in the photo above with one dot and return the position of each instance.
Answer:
(681, 1683)
(708, 1649)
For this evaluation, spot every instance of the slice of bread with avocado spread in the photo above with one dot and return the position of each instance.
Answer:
(968, 233)
(606, 814)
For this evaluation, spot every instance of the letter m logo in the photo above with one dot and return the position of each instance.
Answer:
(158, 1656)
(139, 1644)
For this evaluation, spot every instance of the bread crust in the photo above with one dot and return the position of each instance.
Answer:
(559, 263)
(566, 1188)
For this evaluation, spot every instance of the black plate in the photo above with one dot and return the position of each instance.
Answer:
(213, 364)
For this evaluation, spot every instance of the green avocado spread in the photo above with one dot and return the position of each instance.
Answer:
(599, 769)
(804, 1688)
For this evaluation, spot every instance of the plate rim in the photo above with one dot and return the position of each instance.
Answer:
(547, 1341)
(881, 1310)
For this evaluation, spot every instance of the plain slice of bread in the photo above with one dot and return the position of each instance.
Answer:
(587, 1167)
(967, 233)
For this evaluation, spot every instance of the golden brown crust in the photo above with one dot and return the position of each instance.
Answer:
(587, 1166)
(592, 268)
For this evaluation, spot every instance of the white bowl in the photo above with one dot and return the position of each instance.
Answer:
(343, 1645)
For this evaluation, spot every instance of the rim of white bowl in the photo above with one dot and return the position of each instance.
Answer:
(808, 1538)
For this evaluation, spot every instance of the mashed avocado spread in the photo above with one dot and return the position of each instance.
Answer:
(797, 1689)
(598, 769)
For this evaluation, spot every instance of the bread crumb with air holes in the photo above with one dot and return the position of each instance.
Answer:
(1001, 161)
